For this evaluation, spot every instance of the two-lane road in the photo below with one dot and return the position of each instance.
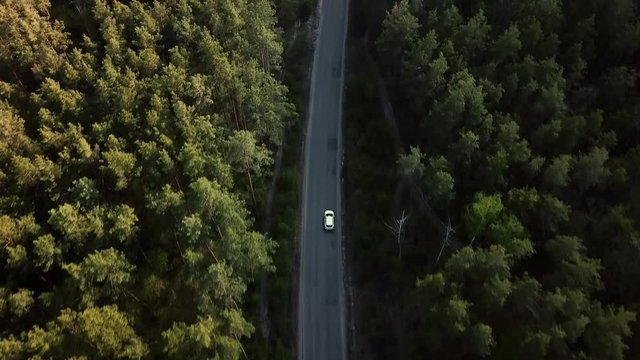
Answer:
(321, 301)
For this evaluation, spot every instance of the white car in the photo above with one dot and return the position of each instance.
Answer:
(328, 220)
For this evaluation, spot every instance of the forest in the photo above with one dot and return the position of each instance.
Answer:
(518, 174)
(137, 143)
(492, 178)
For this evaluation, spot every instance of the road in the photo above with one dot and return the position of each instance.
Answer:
(321, 300)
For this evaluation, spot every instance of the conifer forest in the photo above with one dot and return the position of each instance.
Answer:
(151, 156)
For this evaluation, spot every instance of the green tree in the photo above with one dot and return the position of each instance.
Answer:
(471, 38)
(31, 39)
(590, 169)
(104, 331)
(507, 45)
(411, 165)
(438, 180)
(101, 274)
(400, 31)
(573, 270)
(556, 175)
(133, 133)
(534, 103)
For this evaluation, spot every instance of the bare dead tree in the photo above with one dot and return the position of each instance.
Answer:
(397, 229)
(447, 240)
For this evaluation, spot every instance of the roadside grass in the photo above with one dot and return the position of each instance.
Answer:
(280, 293)
(370, 181)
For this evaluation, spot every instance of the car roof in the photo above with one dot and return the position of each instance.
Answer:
(329, 219)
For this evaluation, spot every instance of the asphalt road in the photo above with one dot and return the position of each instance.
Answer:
(321, 301)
